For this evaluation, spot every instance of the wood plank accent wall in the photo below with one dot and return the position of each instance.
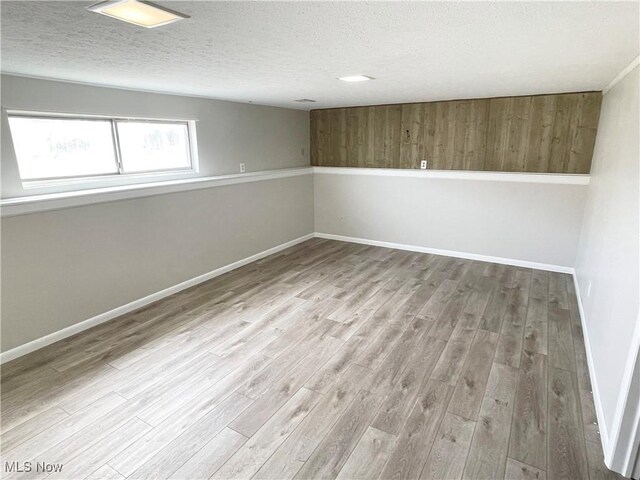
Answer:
(540, 133)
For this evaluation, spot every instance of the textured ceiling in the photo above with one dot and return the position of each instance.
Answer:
(275, 52)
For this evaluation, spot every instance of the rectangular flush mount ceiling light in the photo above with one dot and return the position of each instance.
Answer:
(355, 78)
(142, 13)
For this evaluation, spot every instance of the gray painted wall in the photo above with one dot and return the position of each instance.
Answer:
(229, 133)
(522, 221)
(608, 254)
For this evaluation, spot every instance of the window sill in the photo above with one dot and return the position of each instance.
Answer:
(10, 207)
(110, 180)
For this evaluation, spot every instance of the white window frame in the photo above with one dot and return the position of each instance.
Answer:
(120, 178)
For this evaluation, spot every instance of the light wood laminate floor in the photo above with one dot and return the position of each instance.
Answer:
(328, 360)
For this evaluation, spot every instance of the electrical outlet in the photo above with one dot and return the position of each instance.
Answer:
(423, 165)
(242, 168)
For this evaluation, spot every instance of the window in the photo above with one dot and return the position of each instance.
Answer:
(149, 146)
(67, 147)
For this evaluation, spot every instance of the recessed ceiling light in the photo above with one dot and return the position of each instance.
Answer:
(305, 100)
(355, 78)
(139, 12)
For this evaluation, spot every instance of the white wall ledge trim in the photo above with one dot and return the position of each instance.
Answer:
(10, 207)
(552, 178)
(625, 71)
(55, 201)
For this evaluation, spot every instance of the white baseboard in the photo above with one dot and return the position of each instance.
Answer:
(129, 307)
(449, 253)
(614, 460)
(602, 426)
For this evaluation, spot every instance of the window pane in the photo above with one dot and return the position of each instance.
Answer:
(51, 148)
(148, 146)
